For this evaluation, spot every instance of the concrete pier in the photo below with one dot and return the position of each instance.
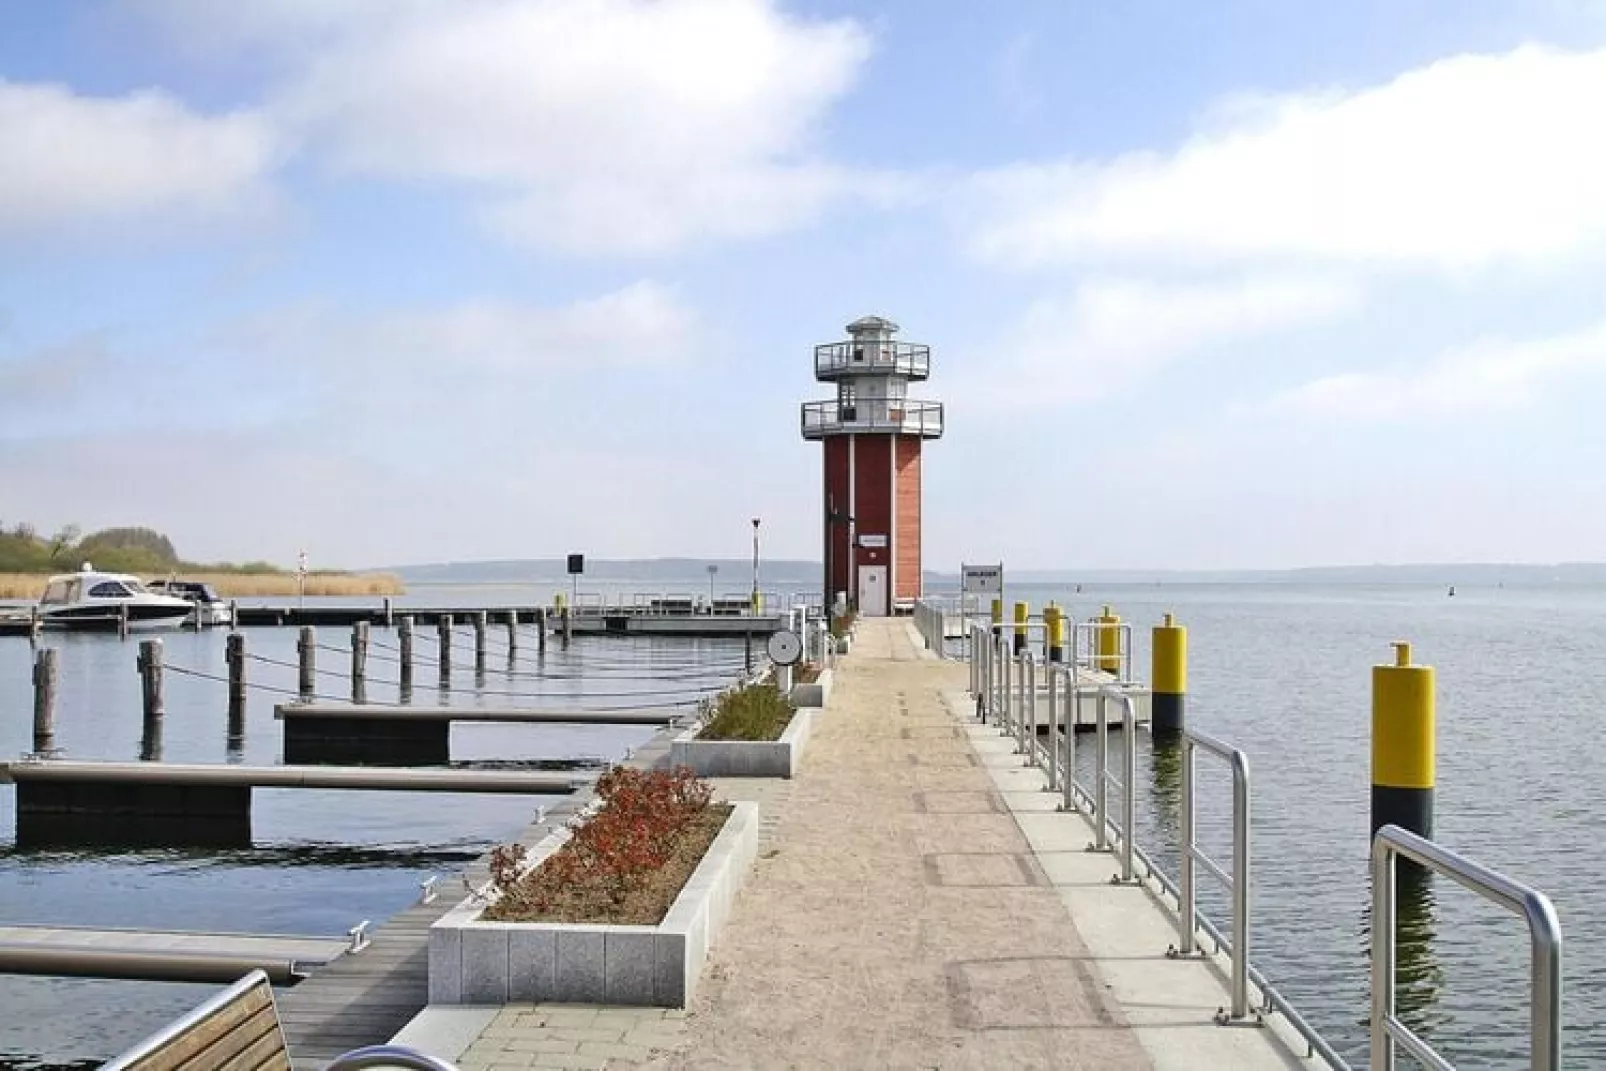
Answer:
(918, 902)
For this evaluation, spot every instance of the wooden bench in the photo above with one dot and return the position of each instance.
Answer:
(237, 1030)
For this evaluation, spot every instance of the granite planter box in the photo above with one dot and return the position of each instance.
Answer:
(745, 758)
(816, 693)
(472, 961)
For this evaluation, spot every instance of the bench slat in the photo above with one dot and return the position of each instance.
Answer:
(243, 1034)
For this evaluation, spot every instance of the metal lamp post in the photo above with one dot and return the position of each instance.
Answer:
(755, 565)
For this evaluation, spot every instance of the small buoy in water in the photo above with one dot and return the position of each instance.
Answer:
(1452, 591)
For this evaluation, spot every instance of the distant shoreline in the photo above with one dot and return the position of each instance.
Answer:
(238, 585)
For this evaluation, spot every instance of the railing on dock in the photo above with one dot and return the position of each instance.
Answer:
(1544, 935)
(1004, 686)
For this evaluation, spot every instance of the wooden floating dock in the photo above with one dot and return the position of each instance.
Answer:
(414, 735)
(162, 955)
(61, 802)
(408, 712)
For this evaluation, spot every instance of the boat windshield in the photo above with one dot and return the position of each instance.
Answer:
(110, 589)
(56, 593)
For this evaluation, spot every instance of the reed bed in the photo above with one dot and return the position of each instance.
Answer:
(241, 585)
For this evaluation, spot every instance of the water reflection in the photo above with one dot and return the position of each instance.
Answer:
(1418, 972)
(1165, 786)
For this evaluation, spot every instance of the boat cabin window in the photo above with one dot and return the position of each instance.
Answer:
(109, 589)
(55, 593)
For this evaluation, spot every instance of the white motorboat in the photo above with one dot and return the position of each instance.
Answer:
(91, 599)
(210, 607)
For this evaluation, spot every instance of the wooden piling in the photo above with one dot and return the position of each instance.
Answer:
(122, 621)
(389, 612)
(540, 630)
(153, 702)
(512, 632)
(307, 649)
(359, 662)
(234, 655)
(443, 635)
(568, 619)
(44, 702)
(480, 621)
(404, 636)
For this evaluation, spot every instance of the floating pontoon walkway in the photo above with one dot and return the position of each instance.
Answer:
(164, 955)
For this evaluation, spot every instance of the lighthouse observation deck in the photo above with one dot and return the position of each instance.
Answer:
(884, 416)
(872, 357)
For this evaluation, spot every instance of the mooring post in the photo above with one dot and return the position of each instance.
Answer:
(480, 617)
(404, 633)
(44, 702)
(234, 655)
(35, 625)
(359, 662)
(568, 622)
(122, 621)
(234, 613)
(1403, 744)
(1168, 678)
(747, 652)
(389, 612)
(150, 673)
(512, 632)
(540, 630)
(307, 650)
(443, 636)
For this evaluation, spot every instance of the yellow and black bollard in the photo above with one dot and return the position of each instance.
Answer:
(1109, 642)
(1403, 744)
(1170, 677)
(1023, 614)
(1054, 625)
(998, 618)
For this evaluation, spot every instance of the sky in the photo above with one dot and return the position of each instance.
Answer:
(1238, 284)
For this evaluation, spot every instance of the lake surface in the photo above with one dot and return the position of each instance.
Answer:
(1280, 670)
(1283, 672)
(320, 861)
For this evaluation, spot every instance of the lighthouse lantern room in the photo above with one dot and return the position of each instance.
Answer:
(872, 432)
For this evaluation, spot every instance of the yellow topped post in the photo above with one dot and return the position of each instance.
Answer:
(1109, 642)
(1170, 677)
(1023, 614)
(1054, 620)
(1403, 747)
(998, 617)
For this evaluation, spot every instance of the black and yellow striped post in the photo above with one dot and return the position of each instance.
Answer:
(1054, 632)
(1403, 744)
(1109, 642)
(1170, 677)
(1023, 614)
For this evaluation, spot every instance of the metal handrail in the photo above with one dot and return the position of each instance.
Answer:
(1090, 658)
(1544, 935)
(877, 357)
(1238, 882)
(388, 1056)
(905, 416)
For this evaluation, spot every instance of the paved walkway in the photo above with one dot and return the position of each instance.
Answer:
(900, 920)
(898, 917)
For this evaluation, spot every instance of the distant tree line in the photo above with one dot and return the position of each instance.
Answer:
(118, 550)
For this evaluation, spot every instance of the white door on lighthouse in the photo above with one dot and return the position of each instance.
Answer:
(873, 590)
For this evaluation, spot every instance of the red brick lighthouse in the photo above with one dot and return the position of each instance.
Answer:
(872, 431)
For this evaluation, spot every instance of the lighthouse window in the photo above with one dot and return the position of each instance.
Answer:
(858, 353)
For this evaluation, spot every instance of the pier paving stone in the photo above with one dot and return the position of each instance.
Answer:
(843, 952)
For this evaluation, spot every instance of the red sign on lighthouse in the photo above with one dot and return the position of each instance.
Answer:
(872, 433)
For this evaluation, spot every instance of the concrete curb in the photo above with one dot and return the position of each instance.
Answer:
(472, 961)
(745, 758)
(816, 693)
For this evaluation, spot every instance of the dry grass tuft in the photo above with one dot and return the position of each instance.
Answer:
(240, 585)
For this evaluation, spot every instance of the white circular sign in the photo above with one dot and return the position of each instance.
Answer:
(784, 647)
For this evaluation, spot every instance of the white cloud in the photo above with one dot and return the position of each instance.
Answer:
(75, 160)
(1466, 162)
(631, 126)
(1113, 332)
(1489, 375)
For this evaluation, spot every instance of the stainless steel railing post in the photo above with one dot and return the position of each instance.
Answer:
(1129, 732)
(1187, 911)
(1069, 801)
(1052, 673)
(1101, 780)
(1544, 937)
(1241, 889)
(1029, 722)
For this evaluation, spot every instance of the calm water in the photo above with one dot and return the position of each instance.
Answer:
(320, 861)
(1283, 672)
